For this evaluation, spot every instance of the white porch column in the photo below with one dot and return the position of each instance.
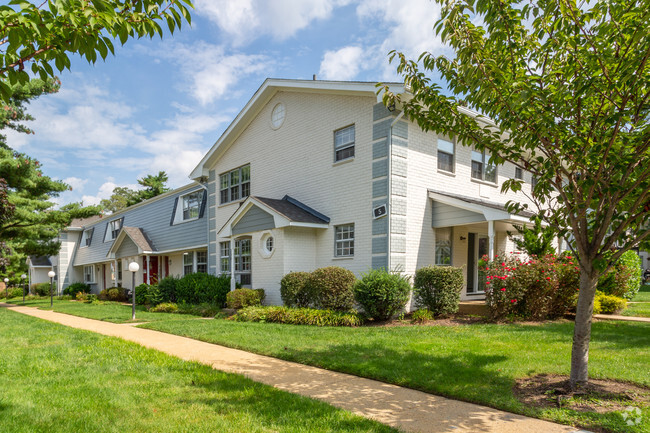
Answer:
(491, 239)
(114, 272)
(232, 264)
(148, 269)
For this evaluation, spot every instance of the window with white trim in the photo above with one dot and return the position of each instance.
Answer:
(235, 184)
(344, 240)
(243, 261)
(344, 143)
(188, 263)
(86, 237)
(445, 155)
(89, 274)
(113, 229)
(191, 205)
(481, 167)
(443, 247)
(224, 257)
(202, 261)
(519, 173)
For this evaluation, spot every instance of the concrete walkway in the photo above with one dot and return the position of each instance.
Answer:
(403, 408)
(624, 318)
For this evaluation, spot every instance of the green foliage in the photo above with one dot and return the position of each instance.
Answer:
(200, 288)
(608, 304)
(241, 298)
(537, 289)
(536, 241)
(41, 289)
(332, 288)
(165, 307)
(202, 310)
(438, 288)
(116, 294)
(12, 292)
(422, 315)
(294, 290)
(75, 288)
(167, 288)
(297, 316)
(45, 34)
(382, 294)
(624, 278)
(141, 293)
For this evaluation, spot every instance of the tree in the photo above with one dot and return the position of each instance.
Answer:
(562, 92)
(124, 197)
(46, 33)
(535, 241)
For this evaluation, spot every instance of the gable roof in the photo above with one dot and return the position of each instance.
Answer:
(490, 210)
(139, 238)
(263, 95)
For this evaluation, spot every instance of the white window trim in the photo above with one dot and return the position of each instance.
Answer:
(221, 257)
(453, 156)
(108, 237)
(346, 145)
(337, 241)
(178, 215)
(451, 247)
(485, 163)
(228, 173)
(84, 239)
(263, 250)
(92, 274)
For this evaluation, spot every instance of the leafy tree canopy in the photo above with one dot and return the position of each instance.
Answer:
(124, 197)
(40, 37)
(562, 90)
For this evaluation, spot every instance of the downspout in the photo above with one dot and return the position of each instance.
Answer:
(390, 183)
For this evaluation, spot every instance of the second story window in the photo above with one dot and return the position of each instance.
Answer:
(113, 229)
(519, 173)
(481, 168)
(87, 237)
(191, 205)
(344, 143)
(235, 184)
(445, 155)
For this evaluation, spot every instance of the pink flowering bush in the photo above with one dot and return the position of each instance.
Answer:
(535, 289)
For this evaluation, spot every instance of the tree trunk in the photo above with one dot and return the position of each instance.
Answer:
(582, 329)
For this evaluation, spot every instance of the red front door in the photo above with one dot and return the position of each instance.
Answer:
(153, 262)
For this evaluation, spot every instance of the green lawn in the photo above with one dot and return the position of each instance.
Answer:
(477, 363)
(641, 303)
(110, 311)
(58, 379)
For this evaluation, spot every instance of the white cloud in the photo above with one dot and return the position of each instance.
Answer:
(247, 20)
(343, 64)
(76, 183)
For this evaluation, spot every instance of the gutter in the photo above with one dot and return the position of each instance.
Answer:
(390, 183)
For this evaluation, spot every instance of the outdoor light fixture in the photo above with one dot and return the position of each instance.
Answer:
(23, 276)
(51, 274)
(133, 268)
(6, 288)
(462, 238)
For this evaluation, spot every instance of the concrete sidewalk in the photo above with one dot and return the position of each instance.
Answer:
(406, 409)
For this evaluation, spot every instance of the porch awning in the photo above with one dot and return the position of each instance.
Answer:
(134, 239)
(261, 213)
(454, 210)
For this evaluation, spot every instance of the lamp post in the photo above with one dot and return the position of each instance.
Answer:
(133, 267)
(51, 274)
(23, 276)
(6, 288)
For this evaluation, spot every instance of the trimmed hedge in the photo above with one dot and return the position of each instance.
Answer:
(75, 288)
(297, 316)
(608, 304)
(241, 298)
(382, 294)
(332, 288)
(294, 290)
(41, 289)
(167, 288)
(438, 289)
(201, 288)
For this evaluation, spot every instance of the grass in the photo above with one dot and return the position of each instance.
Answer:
(58, 379)
(114, 312)
(477, 363)
(641, 305)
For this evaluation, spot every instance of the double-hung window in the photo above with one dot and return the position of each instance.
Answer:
(443, 247)
(344, 143)
(202, 261)
(87, 237)
(89, 274)
(519, 173)
(113, 229)
(445, 155)
(188, 263)
(243, 261)
(224, 257)
(235, 184)
(191, 205)
(344, 241)
(481, 167)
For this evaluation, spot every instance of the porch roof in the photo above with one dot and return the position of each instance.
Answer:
(40, 262)
(453, 210)
(139, 238)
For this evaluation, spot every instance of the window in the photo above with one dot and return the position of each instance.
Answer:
(533, 181)
(89, 274)
(235, 184)
(519, 173)
(113, 229)
(445, 155)
(202, 262)
(87, 237)
(277, 116)
(344, 143)
(481, 168)
(243, 261)
(269, 244)
(191, 205)
(224, 247)
(344, 240)
(188, 263)
(443, 247)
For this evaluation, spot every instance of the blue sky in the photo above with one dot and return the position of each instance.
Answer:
(160, 105)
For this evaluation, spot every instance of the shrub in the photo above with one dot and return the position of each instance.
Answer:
(624, 279)
(297, 316)
(12, 292)
(294, 290)
(332, 288)
(90, 298)
(438, 289)
(608, 304)
(200, 288)
(240, 298)
(382, 294)
(165, 307)
(422, 315)
(81, 296)
(75, 288)
(203, 310)
(117, 294)
(141, 294)
(167, 288)
(41, 289)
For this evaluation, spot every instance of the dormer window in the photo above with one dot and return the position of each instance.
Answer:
(191, 205)
(113, 229)
(87, 237)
